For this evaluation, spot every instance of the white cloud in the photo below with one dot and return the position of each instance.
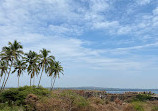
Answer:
(105, 25)
(124, 30)
(143, 2)
(98, 5)
(155, 11)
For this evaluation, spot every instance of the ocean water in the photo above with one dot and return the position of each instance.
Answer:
(121, 92)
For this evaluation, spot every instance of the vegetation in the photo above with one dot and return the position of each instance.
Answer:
(17, 96)
(34, 98)
(14, 60)
(142, 97)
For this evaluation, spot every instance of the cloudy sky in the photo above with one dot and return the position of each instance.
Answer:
(104, 43)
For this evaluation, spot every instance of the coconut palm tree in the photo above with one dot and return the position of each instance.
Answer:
(6, 55)
(32, 58)
(55, 70)
(50, 70)
(11, 53)
(44, 59)
(3, 69)
(19, 67)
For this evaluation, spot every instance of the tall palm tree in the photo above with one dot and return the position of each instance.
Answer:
(44, 55)
(50, 70)
(3, 69)
(55, 69)
(32, 58)
(19, 67)
(11, 53)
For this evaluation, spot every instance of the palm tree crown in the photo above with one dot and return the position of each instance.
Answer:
(32, 59)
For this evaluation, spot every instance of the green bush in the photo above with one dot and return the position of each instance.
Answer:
(142, 97)
(5, 107)
(17, 96)
(138, 106)
(74, 99)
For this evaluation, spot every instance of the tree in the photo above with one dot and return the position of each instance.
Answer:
(32, 58)
(11, 53)
(19, 67)
(54, 70)
(3, 69)
(50, 70)
(11, 57)
(44, 59)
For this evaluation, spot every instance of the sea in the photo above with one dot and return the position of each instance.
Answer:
(114, 90)
(121, 92)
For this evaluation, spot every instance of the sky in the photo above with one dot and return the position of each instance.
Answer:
(101, 43)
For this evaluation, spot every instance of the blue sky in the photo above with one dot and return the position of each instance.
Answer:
(104, 43)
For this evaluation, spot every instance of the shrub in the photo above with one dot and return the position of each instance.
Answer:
(142, 97)
(138, 106)
(31, 100)
(95, 100)
(73, 99)
(50, 104)
(17, 96)
(5, 107)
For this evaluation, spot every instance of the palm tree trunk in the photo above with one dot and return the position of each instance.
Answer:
(8, 74)
(34, 80)
(0, 79)
(3, 81)
(18, 81)
(30, 81)
(4, 77)
(40, 76)
(53, 83)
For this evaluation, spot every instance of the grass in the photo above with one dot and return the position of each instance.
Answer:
(155, 108)
(138, 106)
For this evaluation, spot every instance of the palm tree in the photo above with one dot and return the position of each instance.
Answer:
(19, 67)
(44, 61)
(10, 54)
(50, 70)
(3, 69)
(32, 59)
(54, 70)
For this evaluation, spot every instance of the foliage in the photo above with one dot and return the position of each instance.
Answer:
(73, 98)
(17, 96)
(5, 107)
(13, 59)
(96, 100)
(142, 97)
(138, 106)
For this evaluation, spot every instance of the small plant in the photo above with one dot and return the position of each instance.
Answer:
(142, 97)
(155, 108)
(73, 99)
(96, 100)
(138, 106)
